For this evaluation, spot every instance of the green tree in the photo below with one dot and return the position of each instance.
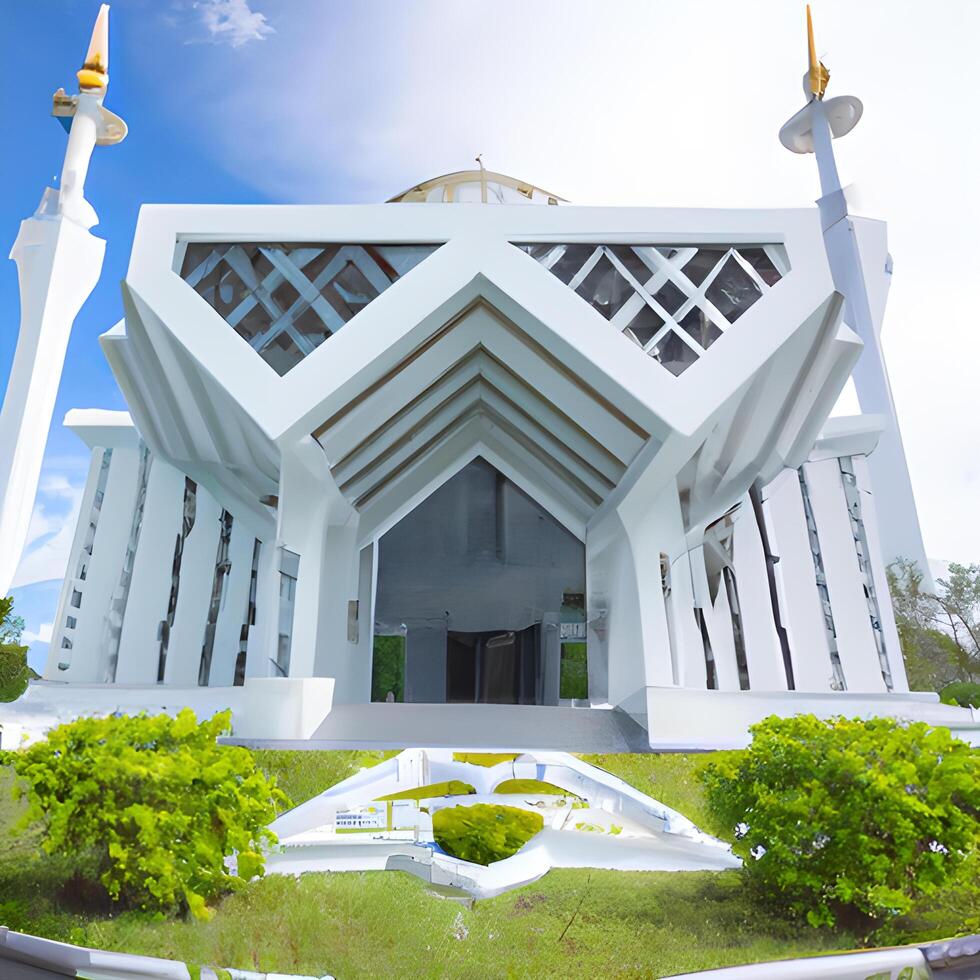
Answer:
(848, 821)
(933, 657)
(14, 672)
(959, 601)
(154, 803)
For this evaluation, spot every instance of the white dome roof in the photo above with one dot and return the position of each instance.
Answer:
(476, 187)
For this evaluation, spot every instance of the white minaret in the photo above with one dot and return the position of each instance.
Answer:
(58, 264)
(812, 130)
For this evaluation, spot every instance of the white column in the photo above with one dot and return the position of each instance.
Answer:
(316, 523)
(58, 265)
(263, 633)
(763, 653)
(194, 593)
(234, 606)
(803, 617)
(855, 640)
(66, 619)
(893, 646)
(149, 589)
(104, 568)
(718, 622)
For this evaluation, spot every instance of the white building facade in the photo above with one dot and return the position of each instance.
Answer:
(499, 427)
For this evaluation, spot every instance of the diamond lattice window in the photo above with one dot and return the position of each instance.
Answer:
(673, 301)
(286, 300)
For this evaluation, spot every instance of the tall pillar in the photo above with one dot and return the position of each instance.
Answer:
(58, 264)
(812, 130)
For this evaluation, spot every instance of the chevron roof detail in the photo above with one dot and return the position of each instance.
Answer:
(562, 431)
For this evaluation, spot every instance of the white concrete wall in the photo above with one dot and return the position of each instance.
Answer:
(855, 640)
(149, 590)
(763, 653)
(802, 612)
(194, 594)
(103, 568)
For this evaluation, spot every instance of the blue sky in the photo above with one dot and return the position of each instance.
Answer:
(621, 102)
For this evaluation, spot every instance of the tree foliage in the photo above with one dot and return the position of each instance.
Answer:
(963, 693)
(484, 833)
(14, 672)
(155, 801)
(844, 820)
(938, 648)
(959, 601)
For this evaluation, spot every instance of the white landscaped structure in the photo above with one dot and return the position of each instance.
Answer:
(599, 822)
(577, 461)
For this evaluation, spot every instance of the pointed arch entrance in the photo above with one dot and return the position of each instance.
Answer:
(484, 585)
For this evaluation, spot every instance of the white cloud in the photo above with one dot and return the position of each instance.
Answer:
(43, 634)
(633, 102)
(51, 530)
(233, 22)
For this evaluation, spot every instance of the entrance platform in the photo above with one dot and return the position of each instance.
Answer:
(459, 726)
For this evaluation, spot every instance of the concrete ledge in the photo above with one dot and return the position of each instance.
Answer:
(283, 707)
(723, 717)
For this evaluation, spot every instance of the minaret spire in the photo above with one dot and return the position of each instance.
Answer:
(88, 123)
(818, 74)
(58, 264)
(813, 130)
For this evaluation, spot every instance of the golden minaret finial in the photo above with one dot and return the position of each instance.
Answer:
(94, 74)
(819, 76)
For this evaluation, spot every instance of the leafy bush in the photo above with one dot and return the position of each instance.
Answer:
(848, 820)
(14, 672)
(483, 833)
(155, 801)
(962, 693)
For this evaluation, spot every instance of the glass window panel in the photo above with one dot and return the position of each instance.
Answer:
(733, 290)
(284, 295)
(571, 261)
(309, 325)
(673, 354)
(247, 285)
(757, 258)
(697, 324)
(350, 291)
(670, 297)
(605, 289)
(644, 326)
(281, 353)
(702, 262)
(636, 266)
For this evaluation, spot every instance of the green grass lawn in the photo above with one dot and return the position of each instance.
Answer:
(571, 923)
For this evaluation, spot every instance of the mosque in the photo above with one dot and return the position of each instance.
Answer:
(475, 466)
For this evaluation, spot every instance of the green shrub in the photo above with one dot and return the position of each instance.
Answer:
(847, 820)
(14, 672)
(963, 693)
(155, 801)
(484, 833)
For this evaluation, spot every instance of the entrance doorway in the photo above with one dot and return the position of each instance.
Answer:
(477, 579)
(493, 668)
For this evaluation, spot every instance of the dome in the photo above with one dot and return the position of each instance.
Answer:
(476, 187)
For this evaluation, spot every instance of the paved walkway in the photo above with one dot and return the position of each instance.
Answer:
(490, 726)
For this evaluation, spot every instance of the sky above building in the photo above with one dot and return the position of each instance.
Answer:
(621, 102)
